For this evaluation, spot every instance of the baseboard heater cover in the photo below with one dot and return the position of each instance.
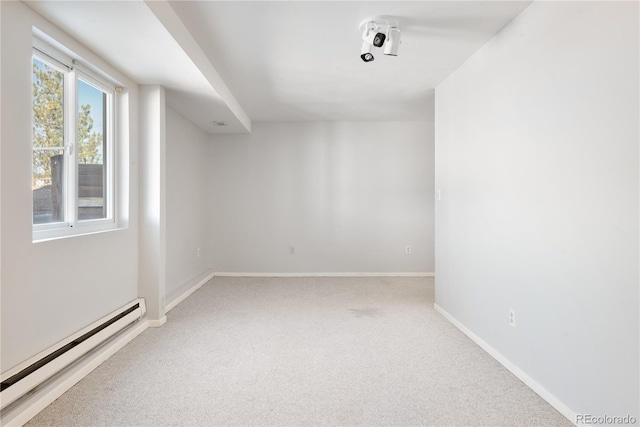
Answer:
(25, 377)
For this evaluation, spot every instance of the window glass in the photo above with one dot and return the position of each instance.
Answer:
(48, 173)
(91, 146)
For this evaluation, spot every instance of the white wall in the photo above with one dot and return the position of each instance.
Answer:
(186, 201)
(152, 235)
(347, 195)
(50, 290)
(537, 159)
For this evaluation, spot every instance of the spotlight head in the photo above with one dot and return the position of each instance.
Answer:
(365, 53)
(367, 57)
(375, 38)
(393, 42)
(378, 40)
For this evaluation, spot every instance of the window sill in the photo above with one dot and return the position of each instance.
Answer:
(69, 232)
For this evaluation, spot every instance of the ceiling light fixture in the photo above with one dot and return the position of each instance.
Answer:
(379, 31)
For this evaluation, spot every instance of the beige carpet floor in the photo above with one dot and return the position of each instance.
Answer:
(302, 351)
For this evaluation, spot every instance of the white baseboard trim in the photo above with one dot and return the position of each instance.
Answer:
(157, 323)
(519, 373)
(198, 283)
(27, 408)
(238, 274)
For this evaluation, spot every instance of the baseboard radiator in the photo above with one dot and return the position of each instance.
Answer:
(23, 378)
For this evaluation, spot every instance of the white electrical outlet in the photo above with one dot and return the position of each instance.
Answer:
(292, 250)
(512, 317)
(407, 249)
(199, 253)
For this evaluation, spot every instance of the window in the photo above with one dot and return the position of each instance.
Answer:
(73, 146)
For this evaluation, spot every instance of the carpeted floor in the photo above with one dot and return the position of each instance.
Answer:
(302, 351)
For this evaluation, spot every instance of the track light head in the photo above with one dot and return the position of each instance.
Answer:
(365, 52)
(393, 42)
(375, 38)
(367, 57)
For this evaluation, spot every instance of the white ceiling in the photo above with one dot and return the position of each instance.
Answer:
(283, 61)
(130, 37)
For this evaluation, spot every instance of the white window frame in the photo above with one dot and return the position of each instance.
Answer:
(74, 70)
